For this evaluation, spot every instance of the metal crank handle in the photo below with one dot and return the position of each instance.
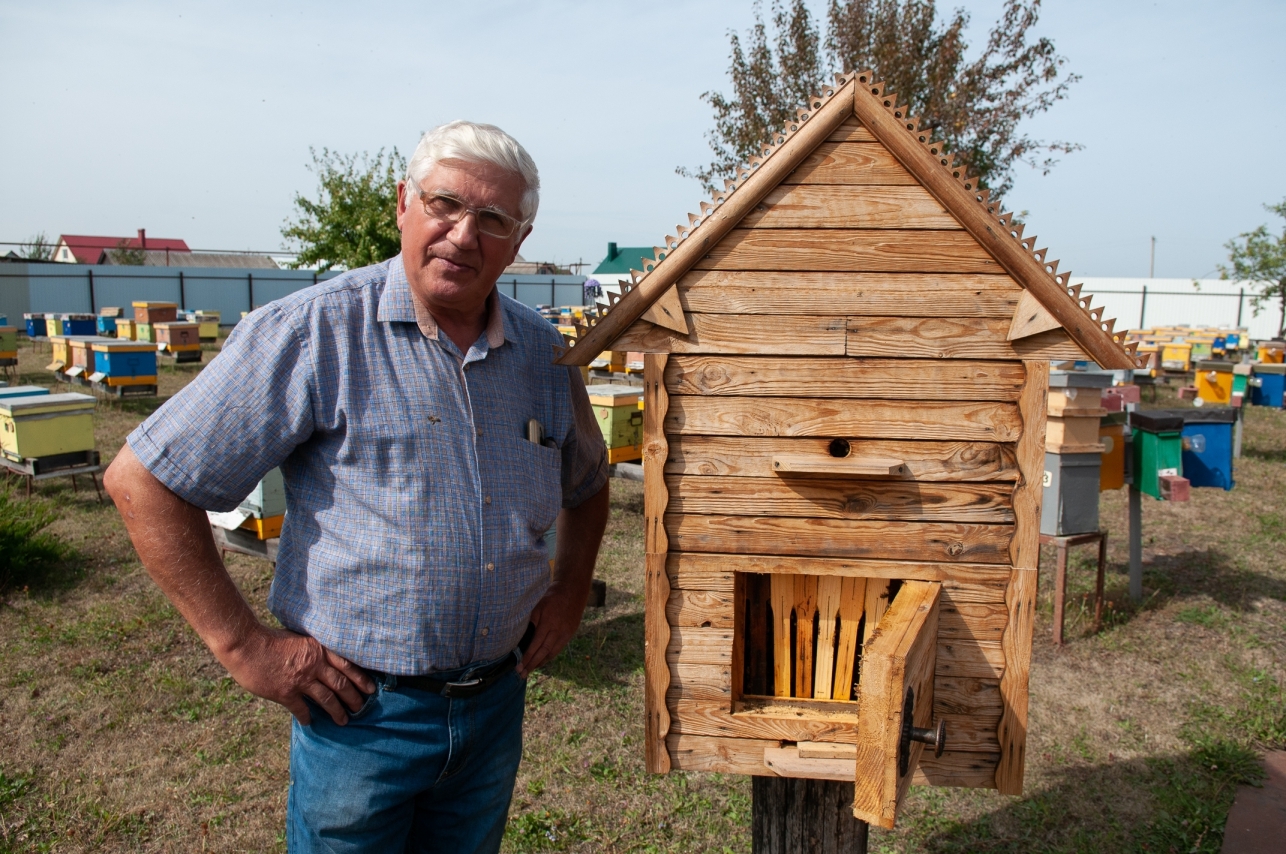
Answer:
(933, 736)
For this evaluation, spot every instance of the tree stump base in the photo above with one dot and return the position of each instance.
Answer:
(792, 816)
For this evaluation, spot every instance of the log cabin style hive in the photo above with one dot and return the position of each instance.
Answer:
(844, 424)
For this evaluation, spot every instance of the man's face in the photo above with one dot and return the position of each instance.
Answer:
(451, 266)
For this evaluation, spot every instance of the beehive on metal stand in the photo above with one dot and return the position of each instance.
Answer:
(178, 339)
(46, 426)
(124, 368)
(847, 361)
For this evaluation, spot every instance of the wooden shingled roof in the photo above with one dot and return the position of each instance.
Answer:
(1049, 301)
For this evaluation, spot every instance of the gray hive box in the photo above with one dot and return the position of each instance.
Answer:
(1070, 503)
(268, 498)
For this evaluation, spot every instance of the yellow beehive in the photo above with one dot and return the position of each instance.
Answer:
(46, 425)
(1214, 382)
(1176, 356)
(126, 329)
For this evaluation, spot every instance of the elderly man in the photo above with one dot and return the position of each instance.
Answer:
(427, 442)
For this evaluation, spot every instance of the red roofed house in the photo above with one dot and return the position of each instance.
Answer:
(88, 249)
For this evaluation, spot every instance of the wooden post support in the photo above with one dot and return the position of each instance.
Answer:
(797, 816)
(1136, 543)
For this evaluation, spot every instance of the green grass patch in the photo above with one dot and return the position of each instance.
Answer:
(29, 555)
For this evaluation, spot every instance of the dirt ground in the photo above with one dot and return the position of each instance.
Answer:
(119, 731)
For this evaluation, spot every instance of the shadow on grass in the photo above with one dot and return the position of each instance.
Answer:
(1270, 455)
(603, 654)
(31, 559)
(1160, 804)
(1213, 573)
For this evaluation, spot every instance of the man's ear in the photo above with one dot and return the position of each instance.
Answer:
(402, 192)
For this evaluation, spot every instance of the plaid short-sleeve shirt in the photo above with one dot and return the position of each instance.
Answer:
(413, 540)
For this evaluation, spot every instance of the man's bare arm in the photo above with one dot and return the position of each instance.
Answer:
(173, 540)
(557, 615)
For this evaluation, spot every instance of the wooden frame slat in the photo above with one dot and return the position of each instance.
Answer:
(964, 581)
(845, 377)
(953, 338)
(851, 250)
(731, 333)
(860, 163)
(839, 206)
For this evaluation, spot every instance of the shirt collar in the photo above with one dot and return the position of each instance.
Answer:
(398, 304)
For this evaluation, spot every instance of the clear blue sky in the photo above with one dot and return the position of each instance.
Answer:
(195, 120)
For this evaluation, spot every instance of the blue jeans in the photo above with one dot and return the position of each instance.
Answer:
(411, 771)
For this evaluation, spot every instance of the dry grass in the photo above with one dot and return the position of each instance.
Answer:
(118, 731)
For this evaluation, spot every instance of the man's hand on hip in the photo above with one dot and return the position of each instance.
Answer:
(285, 667)
(556, 617)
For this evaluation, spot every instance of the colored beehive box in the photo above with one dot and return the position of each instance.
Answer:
(107, 317)
(268, 499)
(124, 363)
(1274, 352)
(60, 354)
(619, 418)
(1073, 434)
(1268, 385)
(126, 329)
(81, 357)
(1214, 382)
(1207, 447)
(23, 391)
(1111, 435)
(264, 529)
(1070, 502)
(207, 323)
(155, 312)
(1158, 449)
(8, 342)
(144, 332)
(77, 324)
(1077, 393)
(53, 326)
(177, 337)
(1176, 357)
(35, 322)
(46, 425)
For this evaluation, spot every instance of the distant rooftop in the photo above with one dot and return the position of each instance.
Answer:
(623, 259)
(89, 248)
(163, 258)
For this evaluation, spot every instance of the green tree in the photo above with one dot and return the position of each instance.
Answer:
(975, 106)
(1259, 259)
(123, 254)
(38, 248)
(353, 220)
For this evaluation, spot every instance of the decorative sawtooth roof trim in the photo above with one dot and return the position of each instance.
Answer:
(1090, 330)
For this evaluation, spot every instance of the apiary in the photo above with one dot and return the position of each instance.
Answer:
(616, 407)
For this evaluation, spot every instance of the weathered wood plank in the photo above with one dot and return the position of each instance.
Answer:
(700, 646)
(938, 541)
(657, 581)
(970, 659)
(973, 621)
(967, 770)
(966, 421)
(1016, 648)
(925, 461)
(836, 206)
(865, 163)
(852, 604)
(700, 682)
(952, 338)
(851, 131)
(840, 498)
(1024, 551)
(971, 733)
(828, 602)
(655, 450)
(782, 598)
(844, 377)
(961, 582)
(871, 294)
(700, 609)
(966, 696)
(704, 717)
(731, 333)
(721, 755)
(850, 250)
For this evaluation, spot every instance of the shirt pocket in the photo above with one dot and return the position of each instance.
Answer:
(535, 483)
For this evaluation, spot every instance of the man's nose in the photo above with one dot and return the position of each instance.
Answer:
(464, 231)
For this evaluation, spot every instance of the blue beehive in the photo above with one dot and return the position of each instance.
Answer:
(125, 359)
(1207, 438)
(78, 324)
(1268, 385)
(35, 324)
(22, 391)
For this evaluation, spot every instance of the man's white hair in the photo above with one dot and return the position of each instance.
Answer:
(477, 143)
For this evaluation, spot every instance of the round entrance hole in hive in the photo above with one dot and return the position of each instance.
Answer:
(839, 448)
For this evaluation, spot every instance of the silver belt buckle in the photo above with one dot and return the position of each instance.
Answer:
(450, 689)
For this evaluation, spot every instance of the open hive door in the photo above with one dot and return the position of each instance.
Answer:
(896, 702)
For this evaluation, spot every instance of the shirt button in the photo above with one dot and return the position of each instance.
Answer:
(487, 500)
(479, 433)
(491, 567)
(485, 631)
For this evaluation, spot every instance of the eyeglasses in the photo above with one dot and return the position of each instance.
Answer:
(447, 207)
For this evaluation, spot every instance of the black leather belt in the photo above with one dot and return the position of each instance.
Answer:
(478, 681)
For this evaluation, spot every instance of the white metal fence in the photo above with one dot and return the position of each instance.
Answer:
(1143, 303)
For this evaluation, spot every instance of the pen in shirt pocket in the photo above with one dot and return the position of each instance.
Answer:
(536, 434)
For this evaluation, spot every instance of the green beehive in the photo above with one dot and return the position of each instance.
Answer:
(1158, 449)
(145, 332)
(617, 409)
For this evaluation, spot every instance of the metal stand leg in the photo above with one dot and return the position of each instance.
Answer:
(1099, 582)
(99, 492)
(1060, 593)
(1136, 545)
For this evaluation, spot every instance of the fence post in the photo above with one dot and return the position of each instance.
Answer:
(183, 294)
(1143, 307)
(92, 310)
(250, 283)
(1241, 298)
